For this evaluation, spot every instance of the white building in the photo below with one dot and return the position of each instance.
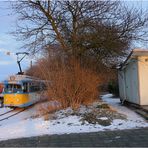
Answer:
(133, 78)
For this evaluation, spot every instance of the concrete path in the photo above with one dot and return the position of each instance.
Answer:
(122, 138)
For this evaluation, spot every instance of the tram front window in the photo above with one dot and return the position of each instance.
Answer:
(13, 88)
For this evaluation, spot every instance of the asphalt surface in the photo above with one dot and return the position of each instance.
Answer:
(121, 138)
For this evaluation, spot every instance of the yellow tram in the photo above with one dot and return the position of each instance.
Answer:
(22, 91)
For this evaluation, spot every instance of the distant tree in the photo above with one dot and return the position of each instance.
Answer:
(102, 30)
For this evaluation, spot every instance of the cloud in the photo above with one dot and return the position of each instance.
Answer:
(7, 57)
(6, 63)
(8, 53)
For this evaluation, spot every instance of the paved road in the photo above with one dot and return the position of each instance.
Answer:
(122, 138)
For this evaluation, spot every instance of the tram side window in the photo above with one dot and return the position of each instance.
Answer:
(25, 87)
(17, 88)
(12, 88)
(8, 88)
(34, 88)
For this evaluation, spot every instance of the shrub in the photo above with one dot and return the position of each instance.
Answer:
(70, 83)
(70, 80)
(73, 85)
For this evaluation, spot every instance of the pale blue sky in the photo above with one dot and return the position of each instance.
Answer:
(8, 64)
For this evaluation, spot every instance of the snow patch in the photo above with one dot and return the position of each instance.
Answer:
(103, 118)
(23, 125)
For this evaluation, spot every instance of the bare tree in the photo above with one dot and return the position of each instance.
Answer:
(102, 29)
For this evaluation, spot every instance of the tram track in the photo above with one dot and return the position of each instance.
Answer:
(10, 113)
(7, 112)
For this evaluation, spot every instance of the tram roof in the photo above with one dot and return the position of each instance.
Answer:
(20, 78)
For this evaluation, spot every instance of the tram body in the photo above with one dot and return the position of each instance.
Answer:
(22, 91)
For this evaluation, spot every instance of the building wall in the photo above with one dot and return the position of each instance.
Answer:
(131, 82)
(121, 81)
(143, 79)
(128, 82)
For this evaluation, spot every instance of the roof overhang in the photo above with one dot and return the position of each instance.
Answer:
(135, 53)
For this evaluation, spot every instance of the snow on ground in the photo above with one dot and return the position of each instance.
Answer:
(3, 110)
(23, 126)
(133, 119)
